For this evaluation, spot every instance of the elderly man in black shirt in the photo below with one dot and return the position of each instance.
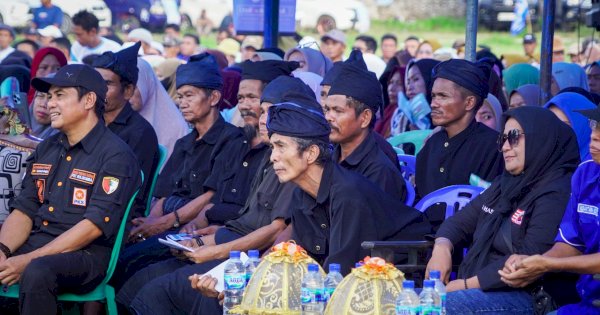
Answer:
(63, 225)
(463, 146)
(334, 209)
(119, 71)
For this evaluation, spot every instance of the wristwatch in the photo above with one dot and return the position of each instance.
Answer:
(176, 224)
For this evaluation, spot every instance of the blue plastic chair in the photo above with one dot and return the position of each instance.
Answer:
(162, 158)
(455, 197)
(410, 193)
(103, 292)
(408, 165)
(416, 137)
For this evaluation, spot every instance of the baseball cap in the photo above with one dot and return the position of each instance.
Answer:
(592, 114)
(8, 28)
(141, 34)
(74, 75)
(529, 38)
(335, 35)
(255, 42)
(50, 31)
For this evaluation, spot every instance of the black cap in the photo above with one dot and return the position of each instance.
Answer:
(294, 120)
(73, 76)
(592, 114)
(5, 27)
(529, 38)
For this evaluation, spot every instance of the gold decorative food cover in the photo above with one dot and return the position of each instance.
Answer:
(276, 283)
(369, 289)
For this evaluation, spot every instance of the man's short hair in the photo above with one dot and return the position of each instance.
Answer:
(98, 106)
(63, 42)
(412, 37)
(389, 36)
(86, 20)
(360, 107)
(466, 93)
(325, 149)
(173, 26)
(33, 44)
(194, 37)
(369, 41)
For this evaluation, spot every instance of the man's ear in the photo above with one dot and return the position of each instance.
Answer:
(312, 154)
(365, 118)
(471, 102)
(90, 100)
(214, 97)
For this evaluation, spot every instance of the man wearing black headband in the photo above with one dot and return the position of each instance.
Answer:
(354, 98)
(330, 216)
(464, 146)
(119, 71)
(64, 223)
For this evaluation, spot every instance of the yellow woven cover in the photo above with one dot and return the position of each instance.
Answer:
(370, 289)
(275, 285)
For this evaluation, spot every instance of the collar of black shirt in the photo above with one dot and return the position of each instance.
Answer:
(124, 115)
(210, 137)
(88, 143)
(359, 153)
(461, 136)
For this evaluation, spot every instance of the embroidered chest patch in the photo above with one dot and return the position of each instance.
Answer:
(587, 209)
(80, 197)
(517, 217)
(83, 176)
(40, 169)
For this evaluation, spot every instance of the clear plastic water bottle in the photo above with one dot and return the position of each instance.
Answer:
(430, 300)
(235, 281)
(251, 263)
(312, 297)
(408, 300)
(440, 288)
(334, 277)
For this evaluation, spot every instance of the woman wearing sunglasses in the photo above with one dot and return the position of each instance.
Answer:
(519, 213)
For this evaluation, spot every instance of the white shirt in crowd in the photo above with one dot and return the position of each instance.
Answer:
(374, 64)
(5, 52)
(78, 52)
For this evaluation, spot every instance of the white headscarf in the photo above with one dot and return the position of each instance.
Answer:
(312, 80)
(158, 108)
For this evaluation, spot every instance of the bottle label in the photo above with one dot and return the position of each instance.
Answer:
(430, 310)
(311, 296)
(235, 281)
(329, 293)
(248, 276)
(406, 310)
(443, 301)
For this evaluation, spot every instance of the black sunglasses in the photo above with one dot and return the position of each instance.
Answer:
(512, 136)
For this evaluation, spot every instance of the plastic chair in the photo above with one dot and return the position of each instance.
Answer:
(410, 193)
(408, 165)
(103, 292)
(455, 197)
(162, 158)
(596, 302)
(416, 137)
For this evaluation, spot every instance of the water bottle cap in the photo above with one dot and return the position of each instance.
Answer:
(234, 254)
(253, 253)
(434, 274)
(408, 284)
(313, 268)
(334, 267)
(428, 284)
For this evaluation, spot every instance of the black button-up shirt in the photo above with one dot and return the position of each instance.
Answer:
(64, 184)
(234, 189)
(132, 128)
(348, 210)
(369, 160)
(447, 161)
(196, 166)
(269, 200)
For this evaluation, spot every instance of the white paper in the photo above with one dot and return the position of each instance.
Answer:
(219, 272)
(174, 245)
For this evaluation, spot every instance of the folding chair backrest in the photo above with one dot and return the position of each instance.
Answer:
(416, 137)
(410, 193)
(455, 197)
(408, 165)
(162, 158)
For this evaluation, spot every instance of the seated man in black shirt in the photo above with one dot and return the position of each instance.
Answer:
(464, 146)
(334, 210)
(119, 71)
(60, 233)
(354, 98)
